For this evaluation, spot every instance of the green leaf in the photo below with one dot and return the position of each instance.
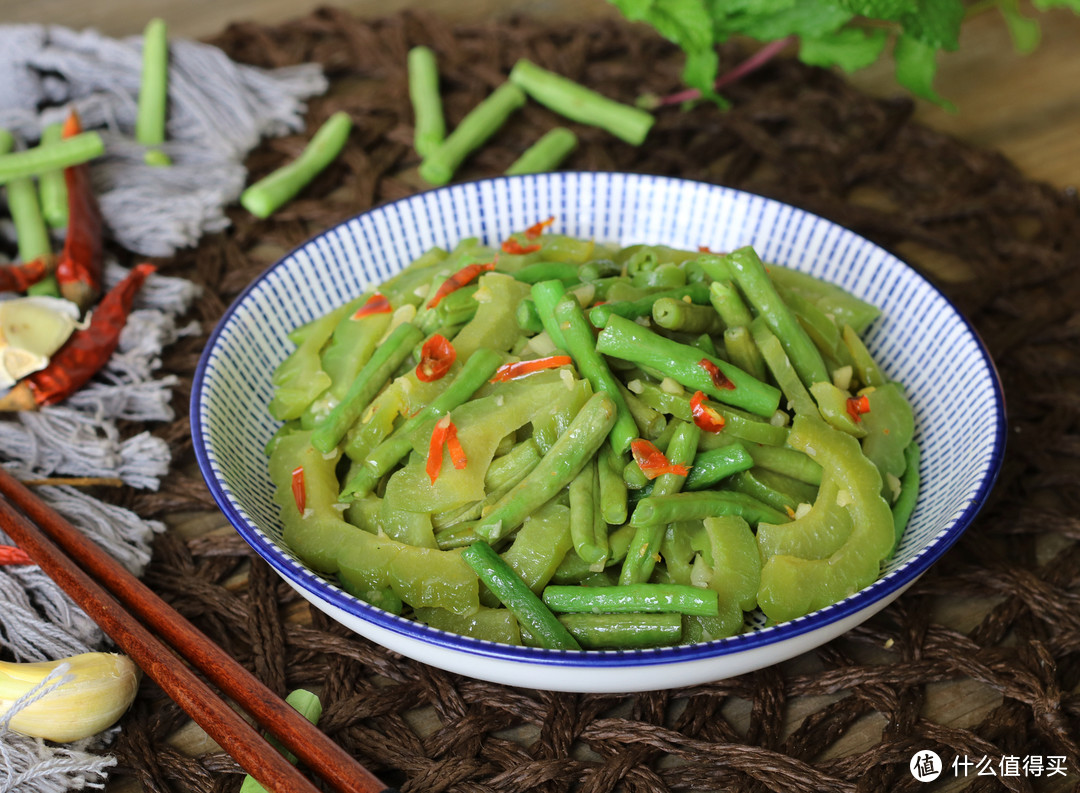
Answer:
(935, 23)
(916, 67)
(687, 23)
(880, 9)
(1046, 5)
(807, 18)
(848, 48)
(1024, 30)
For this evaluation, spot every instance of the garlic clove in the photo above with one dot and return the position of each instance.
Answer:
(102, 689)
(39, 325)
(18, 363)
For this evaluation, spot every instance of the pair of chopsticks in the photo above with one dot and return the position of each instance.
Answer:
(116, 600)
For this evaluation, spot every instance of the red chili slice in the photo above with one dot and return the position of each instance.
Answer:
(652, 461)
(514, 247)
(719, 379)
(10, 554)
(376, 304)
(444, 432)
(512, 371)
(704, 416)
(299, 491)
(436, 357)
(536, 229)
(856, 406)
(461, 278)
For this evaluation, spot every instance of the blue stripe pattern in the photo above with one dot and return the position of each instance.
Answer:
(920, 340)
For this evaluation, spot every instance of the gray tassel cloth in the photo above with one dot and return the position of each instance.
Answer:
(218, 111)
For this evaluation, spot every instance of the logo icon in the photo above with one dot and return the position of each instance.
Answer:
(925, 766)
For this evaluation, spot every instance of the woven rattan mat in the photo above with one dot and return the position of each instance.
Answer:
(980, 659)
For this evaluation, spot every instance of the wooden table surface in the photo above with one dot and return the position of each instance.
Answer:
(1027, 107)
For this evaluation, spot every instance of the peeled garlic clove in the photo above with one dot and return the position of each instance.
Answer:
(38, 325)
(103, 687)
(18, 363)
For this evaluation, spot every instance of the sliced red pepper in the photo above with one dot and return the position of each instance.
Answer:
(704, 416)
(299, 490)
(704, 249)
(444, 432)
(856, 406)
(536, 229)
(652, 461)
(436, 357)
(11, 554)
(512, 371)
(78, 271)
(514, 247)
(719, 379)
(376, 304)
(84, 353)
(462, 277)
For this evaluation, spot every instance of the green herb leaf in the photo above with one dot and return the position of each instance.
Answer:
(880, 9)
(1046, 5)
(849, 48)
(916, 67)
(935, 23)
(1024, 30)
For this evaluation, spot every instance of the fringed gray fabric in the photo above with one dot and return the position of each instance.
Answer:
(218, 111)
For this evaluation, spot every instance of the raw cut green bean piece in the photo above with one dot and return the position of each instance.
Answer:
(642, 307)
(556, 469)
(513, 593)
(909, 492)
(672, 314)
(481, 123)
(644, 550)
(268, 194)
(370, 380)
(623, 631)
(578, 103)
(624, 338)
(628, 599)
(580, 343)
(429, 125)
(52, 189)
(741, 351)
(702, 504)
(41, 159)
(153, 91)
(31, 234)
(309, 706)
(716, 464)
(546, 154)
(754, 282)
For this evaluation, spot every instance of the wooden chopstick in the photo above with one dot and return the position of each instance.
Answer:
(233, 733)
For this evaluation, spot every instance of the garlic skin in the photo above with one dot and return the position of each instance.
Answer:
(103, 688)
(31, 330)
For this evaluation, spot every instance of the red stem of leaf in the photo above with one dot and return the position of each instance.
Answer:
(751, 64)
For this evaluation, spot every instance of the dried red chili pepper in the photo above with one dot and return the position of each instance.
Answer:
(719, 379)
(376, 304)
(17, 277)
(436, 357)
(514, 247)
(856, 406)
(512, 371)
(444, 432)
(10, 554)
(536, 229)
(704, 416)
(299, 489)
(83, 354)
(652, 461)
(461, 278)
(78, 271)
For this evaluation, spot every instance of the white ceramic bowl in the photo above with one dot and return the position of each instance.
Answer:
(920, 340)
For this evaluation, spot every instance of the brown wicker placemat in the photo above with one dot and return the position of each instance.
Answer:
(998, 616)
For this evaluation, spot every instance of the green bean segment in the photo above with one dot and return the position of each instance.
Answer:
(647, 441)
